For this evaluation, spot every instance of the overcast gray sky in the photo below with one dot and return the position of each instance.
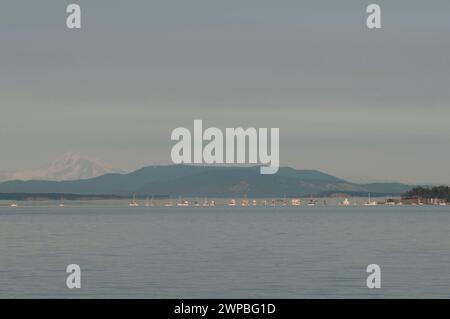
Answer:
(360, 104)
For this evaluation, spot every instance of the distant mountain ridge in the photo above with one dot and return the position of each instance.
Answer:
(199, 181)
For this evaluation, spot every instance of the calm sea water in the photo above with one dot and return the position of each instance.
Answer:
(306, 252)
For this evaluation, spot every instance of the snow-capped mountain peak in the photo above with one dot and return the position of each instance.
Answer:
(71, 166)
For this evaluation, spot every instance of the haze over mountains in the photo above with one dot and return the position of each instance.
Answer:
(192, 181)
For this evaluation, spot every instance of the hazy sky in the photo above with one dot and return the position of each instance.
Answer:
(357, 103)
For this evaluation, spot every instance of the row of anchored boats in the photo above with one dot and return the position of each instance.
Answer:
(231, 203)
(245, 202)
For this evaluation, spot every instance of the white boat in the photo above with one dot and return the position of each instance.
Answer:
(152, 203)
(14, 205)
(245, 203)
(133, 203)
(370, 202)
(296, 202)
(182, 203)
(345, 202)
(168, 204)
(232, 203)
(311, 202)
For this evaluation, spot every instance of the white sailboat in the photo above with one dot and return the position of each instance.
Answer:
(245, 202)
(419, 202)
(196, 203)
(345, 202)
(182, 203)
(133, 203)
(370, 202)
(152, 202)
(169, 203)
(311, 202)
(232, 203)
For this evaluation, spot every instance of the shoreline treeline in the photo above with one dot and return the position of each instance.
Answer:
(439, 192)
